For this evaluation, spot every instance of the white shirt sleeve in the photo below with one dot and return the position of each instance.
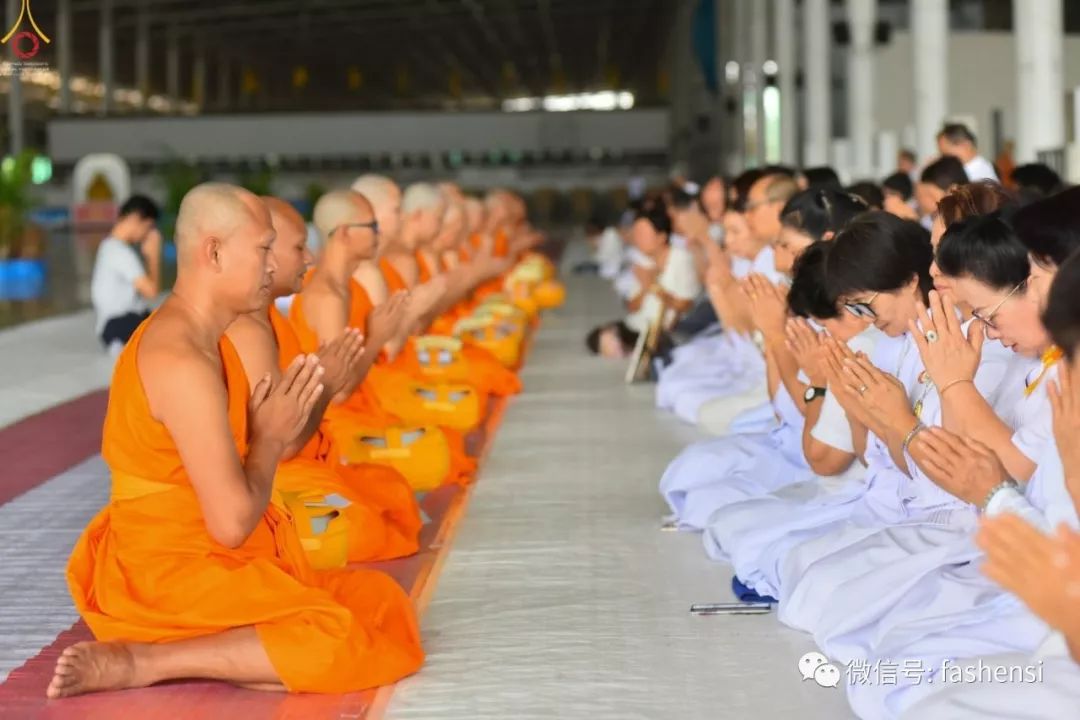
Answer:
(1010, 500)
(124, 262)
(680, 276)
(832, 427)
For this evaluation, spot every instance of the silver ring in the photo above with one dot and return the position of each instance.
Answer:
(932, 336)
(863, 389)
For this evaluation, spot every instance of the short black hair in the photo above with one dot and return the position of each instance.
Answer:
(141, 206)
(627, 337)
(908, 154)
(681, 198)
(657, 217)
(816, 212)
(740, 188)
(809, 294)
(870, 192)
(899, 183)
(957, 133)
(879, 252)
(1035, 181)
(984, 248)
(945, 172)
(1062, 315)
(1050, 228)
(822, 177)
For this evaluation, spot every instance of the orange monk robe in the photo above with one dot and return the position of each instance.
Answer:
(147, 570)
(476, 367)
(384, 518)
(500, 249)
(362, 411)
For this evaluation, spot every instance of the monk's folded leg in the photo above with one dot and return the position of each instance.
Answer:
(236, 656)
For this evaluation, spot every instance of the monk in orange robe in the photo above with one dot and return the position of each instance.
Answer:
(333, 301)
(194, 569)
(416, 216)
(383, 516)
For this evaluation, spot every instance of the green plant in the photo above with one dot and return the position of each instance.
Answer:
(16, 180)
(259, 180)
(312, 193)
(178, 176)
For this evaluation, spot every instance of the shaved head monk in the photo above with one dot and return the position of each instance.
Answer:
(383, 517)
(194, 569)
(333, 301)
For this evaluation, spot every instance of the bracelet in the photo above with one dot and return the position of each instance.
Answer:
(919, 427)
(1007, 483)
(954, 382)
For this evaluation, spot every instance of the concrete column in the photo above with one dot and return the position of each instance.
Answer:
(818, 83)
(105, 56)
(142, 53)
(172, 65)
(63, 53)
(1040, 77)
(784, 29)
(862, 15)
(739, 20)
(930, 44)
(224, 83)
(754, 114)
(682, 67)
(16, 130)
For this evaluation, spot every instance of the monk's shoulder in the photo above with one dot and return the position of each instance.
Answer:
(172, 366)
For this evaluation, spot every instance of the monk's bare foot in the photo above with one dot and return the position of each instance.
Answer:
(92, 666)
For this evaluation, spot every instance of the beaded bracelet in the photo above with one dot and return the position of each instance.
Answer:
(1007, 483)
(919, 427)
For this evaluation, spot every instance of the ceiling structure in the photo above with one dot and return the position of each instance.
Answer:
(359, 54)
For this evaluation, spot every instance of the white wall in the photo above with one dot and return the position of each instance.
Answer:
(335, 134)
(982, 77)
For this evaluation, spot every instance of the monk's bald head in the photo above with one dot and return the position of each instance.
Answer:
(338, 217)
(385, 197)
(284, 215)
(223, 237)
(217, 210)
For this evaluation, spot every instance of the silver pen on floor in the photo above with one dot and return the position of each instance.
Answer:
(736, 608)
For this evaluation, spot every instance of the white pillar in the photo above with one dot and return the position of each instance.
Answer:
(754, 113)
(1040, 81)
(930, 45)
(784, 22)
(105, 56)
(16, 137)
(172, 65)
(142, 53)
(862, 15)
(738, 16)
(63, 53)
(817, 87)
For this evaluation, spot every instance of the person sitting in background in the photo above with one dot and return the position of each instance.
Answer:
(957, 140)
(1035, 181)
(906, 163)
(714, 205)
(609, 251)
(937, 179)
(126, 279)
(870, 192)
(898, 191)
(666, 289)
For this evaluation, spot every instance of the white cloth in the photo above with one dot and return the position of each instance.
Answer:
(610, 253)
(679, 278)
(832, 427)
(979, 168)
(112, 285)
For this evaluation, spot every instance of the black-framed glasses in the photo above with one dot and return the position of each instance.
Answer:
(862, 309)
(373, 225)
(988, 318)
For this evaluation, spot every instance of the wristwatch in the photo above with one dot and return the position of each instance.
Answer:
(812, 393)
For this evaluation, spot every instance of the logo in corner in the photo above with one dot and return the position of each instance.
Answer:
(25, 43)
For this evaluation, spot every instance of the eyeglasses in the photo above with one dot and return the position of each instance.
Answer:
(988, 319)
(863, 309)
(374, 225)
